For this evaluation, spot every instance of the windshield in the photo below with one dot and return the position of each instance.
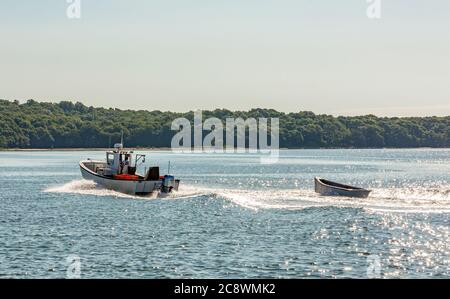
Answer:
(109, 159)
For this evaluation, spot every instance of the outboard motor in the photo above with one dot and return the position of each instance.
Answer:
(168, 184)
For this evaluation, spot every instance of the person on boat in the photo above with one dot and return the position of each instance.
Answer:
(126, 164)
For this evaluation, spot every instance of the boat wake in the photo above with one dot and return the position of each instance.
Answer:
(86, 188)
(399, 200)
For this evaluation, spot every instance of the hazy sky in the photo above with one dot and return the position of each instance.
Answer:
(326, 56)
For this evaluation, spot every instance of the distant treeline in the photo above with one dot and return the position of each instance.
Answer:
(74, 125)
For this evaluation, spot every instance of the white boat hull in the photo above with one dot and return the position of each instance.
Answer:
(140, 187)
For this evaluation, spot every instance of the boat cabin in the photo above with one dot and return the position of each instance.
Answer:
(120, 161)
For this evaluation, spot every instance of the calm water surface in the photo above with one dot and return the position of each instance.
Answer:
(232, 218)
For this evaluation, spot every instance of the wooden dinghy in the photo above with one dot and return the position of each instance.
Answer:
(329, 188)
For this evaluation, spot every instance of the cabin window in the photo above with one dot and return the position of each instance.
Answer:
(110, 159)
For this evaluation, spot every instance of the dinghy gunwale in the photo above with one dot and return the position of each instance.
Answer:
(337, 189)
(338, 185)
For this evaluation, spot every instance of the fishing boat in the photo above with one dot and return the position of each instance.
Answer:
(118, 173)
(329, 188)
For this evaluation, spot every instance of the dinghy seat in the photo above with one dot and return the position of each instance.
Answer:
(152, 174)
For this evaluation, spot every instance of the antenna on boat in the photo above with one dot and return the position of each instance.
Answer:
(168, 168)
(119, 146)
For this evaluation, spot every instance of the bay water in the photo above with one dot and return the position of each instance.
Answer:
(233, 217)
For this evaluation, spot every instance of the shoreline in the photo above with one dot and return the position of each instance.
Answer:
(81, 149)
(165, 149)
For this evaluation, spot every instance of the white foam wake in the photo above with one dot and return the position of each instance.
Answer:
(400, 200)
(87, 188)
(91, 188)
